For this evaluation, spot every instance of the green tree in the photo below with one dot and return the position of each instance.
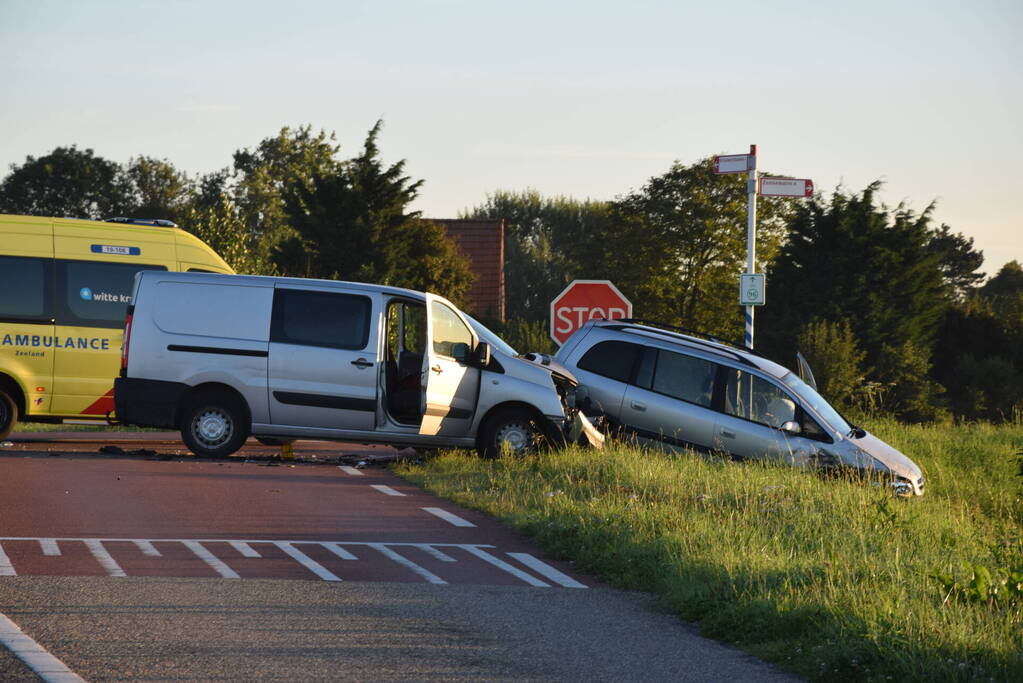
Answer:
(958, 261)
(849, 259)
(549, 241)
(67, 182)
(158, 190)
(353, 221)
(837, 361)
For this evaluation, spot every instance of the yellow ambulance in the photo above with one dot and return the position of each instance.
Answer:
(65, 285)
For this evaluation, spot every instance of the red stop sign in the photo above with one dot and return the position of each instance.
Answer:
(585, 300)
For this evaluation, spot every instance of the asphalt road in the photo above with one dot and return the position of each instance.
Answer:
(160, 566)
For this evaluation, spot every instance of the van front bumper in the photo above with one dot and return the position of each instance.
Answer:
(147, 402)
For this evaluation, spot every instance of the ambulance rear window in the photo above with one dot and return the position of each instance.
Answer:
(95, 294)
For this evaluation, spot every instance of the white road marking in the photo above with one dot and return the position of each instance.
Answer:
(425, 573)
(449, 517)
(6, 568)
(501, 564)
(339, 551)
(387, 490)
(210, 559)
(35, 656)
(244, 549)
(350, 470)
(541, 567)
(49, 546)
(95, 546)
(426, 547)
(307, 562)
(147, 548)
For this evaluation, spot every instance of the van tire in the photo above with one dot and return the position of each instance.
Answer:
(214, 425)
(513, 429)
(8, 414)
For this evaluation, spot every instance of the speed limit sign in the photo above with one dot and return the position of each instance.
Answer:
(751, 289)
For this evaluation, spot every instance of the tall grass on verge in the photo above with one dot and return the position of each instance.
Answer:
(833, 579)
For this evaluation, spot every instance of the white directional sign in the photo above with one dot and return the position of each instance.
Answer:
(751, 289)
(732, 163)
(786, 187)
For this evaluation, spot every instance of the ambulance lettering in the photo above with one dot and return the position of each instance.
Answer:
(36, 340)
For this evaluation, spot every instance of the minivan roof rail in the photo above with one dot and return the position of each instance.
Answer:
(694, 336)
(155, 222)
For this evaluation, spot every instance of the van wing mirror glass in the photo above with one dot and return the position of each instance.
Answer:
(805, 373)
(482, 354)
(792, 427)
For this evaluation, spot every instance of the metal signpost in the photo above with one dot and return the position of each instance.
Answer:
(752, 285)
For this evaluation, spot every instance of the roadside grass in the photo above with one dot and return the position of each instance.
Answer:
(832, 579)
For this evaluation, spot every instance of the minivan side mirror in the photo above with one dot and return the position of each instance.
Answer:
(792, 427)
(481, 355)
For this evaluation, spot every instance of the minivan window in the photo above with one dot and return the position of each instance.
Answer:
(614, 359)
(681, 376)
(25, 284)
(754, 398)
(94, 293)
(451, 337)
(817, 402)
(311, 318)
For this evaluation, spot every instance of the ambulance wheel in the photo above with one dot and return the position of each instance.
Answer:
(214, 425)
(513, 432)
(8, 414)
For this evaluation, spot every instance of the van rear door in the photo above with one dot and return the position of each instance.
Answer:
(323, 358)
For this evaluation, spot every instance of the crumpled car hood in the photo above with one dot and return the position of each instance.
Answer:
(548, 363)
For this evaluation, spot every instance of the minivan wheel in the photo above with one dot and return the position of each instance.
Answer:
(8, 414)
(214, 426)
(514, 432)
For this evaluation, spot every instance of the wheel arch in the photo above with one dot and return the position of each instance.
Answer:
(215, 388)
(14, 389)
(529, 408)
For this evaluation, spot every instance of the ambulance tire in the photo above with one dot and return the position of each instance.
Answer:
(8, 414)
(214, 425)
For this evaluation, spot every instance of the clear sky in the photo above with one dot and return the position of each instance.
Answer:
(579, 98)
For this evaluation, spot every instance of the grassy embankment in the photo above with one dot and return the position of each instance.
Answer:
(830, 579)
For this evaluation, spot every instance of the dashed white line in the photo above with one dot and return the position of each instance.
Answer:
(104, 558)
(210, 559)
(147, 548)
(501, 564)
(541, 567)
(49, 546)
(339, 551)
(35, 656)
(443, 557)
(350, 470)
(6, 568)
(244, 549)
(449, 517)
(404, 561)
(382, 488)
(307, 562)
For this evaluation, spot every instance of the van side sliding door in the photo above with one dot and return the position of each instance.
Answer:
(323, 358)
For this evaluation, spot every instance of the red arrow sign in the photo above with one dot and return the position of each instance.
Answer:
(586, 300)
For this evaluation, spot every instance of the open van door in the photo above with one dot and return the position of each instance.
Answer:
(805, 373)
(450, 378)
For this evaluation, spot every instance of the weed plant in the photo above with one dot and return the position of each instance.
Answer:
(831, 578)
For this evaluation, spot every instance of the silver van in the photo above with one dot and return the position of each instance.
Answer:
(223, 357)
(682, 392)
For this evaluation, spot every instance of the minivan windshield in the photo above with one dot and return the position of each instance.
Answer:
(489, 337)
(817, 402)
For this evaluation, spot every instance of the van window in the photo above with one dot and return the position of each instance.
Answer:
(334, 320)
(25, 289)
(94, 293)
(451, 337)
(680, 376)
(614, 359)
(754, 398)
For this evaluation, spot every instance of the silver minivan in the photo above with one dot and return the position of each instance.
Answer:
(223, 357)
(680, 391)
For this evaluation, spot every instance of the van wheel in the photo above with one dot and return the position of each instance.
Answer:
(514, 432)
(214, 425)
(8, 414)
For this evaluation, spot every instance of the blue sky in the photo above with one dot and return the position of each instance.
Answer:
(587, 99)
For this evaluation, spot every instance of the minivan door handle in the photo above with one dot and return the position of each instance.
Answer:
(727, 434)
(638, 406)
(362, 363)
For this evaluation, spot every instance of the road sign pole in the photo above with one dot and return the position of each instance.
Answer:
(751, 236)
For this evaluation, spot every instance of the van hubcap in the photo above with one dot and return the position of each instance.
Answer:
(514, 436)
(212, 427)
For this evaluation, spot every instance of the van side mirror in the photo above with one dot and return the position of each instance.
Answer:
(481, 355)
(792, 427)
